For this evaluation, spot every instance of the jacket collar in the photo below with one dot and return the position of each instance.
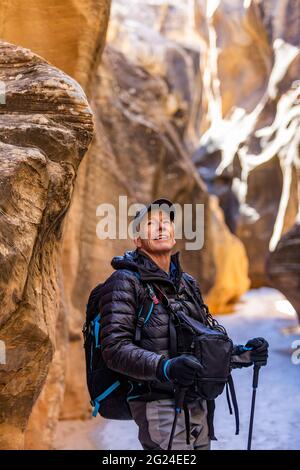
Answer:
(149, 271)
(153, 271)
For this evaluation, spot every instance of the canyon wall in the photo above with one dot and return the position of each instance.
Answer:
(45, 129)
(196, 102)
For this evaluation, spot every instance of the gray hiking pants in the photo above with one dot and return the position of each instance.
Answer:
(155, 420)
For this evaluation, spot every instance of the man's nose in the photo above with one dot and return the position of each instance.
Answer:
(163, 230)
(161, 226)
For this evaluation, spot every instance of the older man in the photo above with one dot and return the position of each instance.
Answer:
(148, 364)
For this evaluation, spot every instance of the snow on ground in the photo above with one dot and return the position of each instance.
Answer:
(260, 312)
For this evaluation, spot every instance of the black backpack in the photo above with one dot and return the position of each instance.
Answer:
(108, 389)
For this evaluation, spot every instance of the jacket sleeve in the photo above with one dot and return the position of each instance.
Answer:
(118, 308)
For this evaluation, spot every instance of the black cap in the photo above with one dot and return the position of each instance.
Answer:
(168, 207)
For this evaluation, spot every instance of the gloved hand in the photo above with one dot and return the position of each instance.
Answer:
(255, 351)
(259, 352)
(179, 370)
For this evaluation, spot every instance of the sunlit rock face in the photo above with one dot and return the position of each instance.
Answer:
(231, 262)
(45, 129)
(160, 37)
(70, 34)
(248, 148)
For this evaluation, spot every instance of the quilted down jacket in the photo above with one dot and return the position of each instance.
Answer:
(122, 294)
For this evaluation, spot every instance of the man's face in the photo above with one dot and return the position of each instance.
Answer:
(156, 233)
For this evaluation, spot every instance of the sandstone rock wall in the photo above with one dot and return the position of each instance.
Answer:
(248, 153)
(45, 129)
(70, 34)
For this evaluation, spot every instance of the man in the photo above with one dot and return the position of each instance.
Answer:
(148, 364)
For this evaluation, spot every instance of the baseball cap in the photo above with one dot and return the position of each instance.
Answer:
(163, 203)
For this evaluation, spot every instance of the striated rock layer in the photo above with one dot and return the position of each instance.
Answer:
(45, 129)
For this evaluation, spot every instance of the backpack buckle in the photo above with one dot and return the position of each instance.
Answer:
(152, 294)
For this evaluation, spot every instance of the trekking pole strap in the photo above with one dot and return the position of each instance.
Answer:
(210, 419)
(234, 404)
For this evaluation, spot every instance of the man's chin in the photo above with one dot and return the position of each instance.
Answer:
(161, 245)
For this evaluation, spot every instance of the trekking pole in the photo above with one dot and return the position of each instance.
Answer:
(254, 388)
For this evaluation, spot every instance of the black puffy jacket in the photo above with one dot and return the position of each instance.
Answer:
(121, 295)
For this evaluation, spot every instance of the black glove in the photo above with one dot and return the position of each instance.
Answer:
(179, 370)
(259, 352)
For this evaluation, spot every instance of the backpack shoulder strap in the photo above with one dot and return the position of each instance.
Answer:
(145, 310)
(234, 403)
(92, 305)
(196, 296)
(210, 419)
(192, 289)
(143, 315)
(208, 319)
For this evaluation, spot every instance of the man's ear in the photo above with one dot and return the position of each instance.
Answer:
(173, 225)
